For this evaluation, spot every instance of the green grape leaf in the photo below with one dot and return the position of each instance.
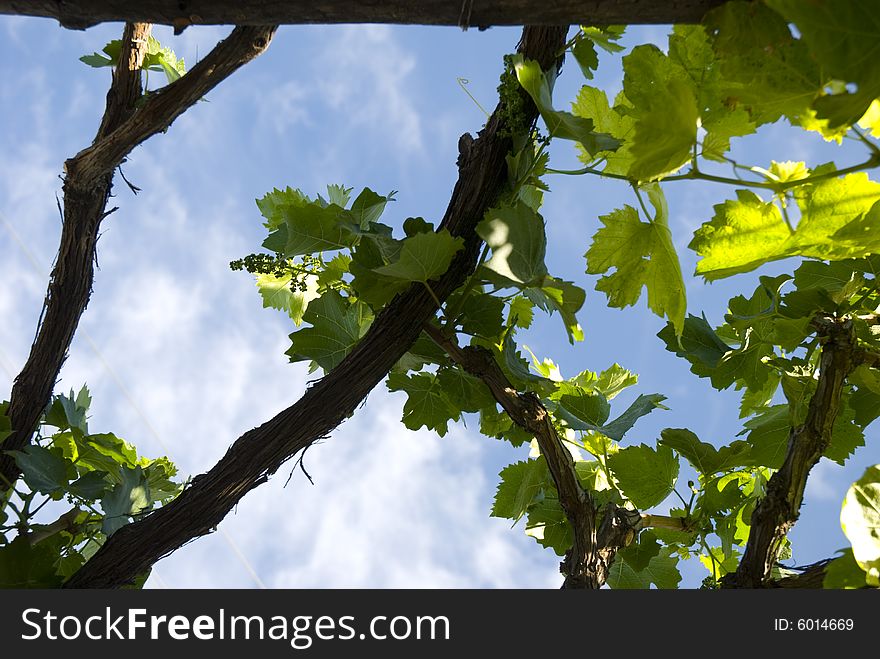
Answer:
(274, 206)
(336, 327)
(753, 400)
(69, 564)
(867, 377)
(838, 278)
(719, 496)
(739, 237)
(44, 470)
(332, 272)
(844, 572)
(605, 37)
(277, 294)
(747, 364)
(839, 221)
(641, 406)
(520, 312)
(661, 570)
(615, 379)
(583, 411)
(642, 256)
(765, 71)
(768, 436)
(427, 403)
(159, 473)
(586, 56)
(844, 38)
(665, 110)
(547, 524)
(464, 391)
(705, 458)
(23, 565)
(339, 194)
(646, 476)
(860, 520)
(423, 257)
(312, 228)
(563, 297)
(96, 60)
(517, 368)
(639, 554)
(560, 124)
(846, 437)
(482, 314)
(128, 497)
(690, 48)
(664, 140)
(516, 236)
(90, 486)
(720, 129)
(5, 423)
(497, 424)
(701, 346)
(718, 563)
(414, 225)
(101, 452)
(520, 484)
(588, 407)
(374, 252)
(369, 206)
(840, 218)
(865, 405)
(156, 58)
(592, 104)
(70, 411)
(423, 351)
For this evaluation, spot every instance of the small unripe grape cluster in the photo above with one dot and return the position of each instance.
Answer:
(266, 264)
(514, 117)
(279, 266)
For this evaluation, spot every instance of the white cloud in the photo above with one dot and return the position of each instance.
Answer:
(360, 78)
(389, 508)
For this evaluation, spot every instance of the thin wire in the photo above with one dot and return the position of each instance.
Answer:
(131, 401)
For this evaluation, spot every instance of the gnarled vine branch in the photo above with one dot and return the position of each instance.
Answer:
(70, 285)
(778, 510)
(594, 544)
(87, 185)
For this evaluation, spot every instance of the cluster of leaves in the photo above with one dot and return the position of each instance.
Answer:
(743, 68)
(768, 349)
(103, 481)
(157, 58)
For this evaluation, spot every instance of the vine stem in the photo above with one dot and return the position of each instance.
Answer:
(642, 202)
(864, 140)
(433, 294)
(693, 175)
(784, 208)
(463, 82)
(663, 522)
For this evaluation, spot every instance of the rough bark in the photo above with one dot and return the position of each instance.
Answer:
(778, 510)
(80, 14)
(260, 452)
(87, 184)
(70, 285)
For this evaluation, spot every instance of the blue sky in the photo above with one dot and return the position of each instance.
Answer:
(181, 358)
